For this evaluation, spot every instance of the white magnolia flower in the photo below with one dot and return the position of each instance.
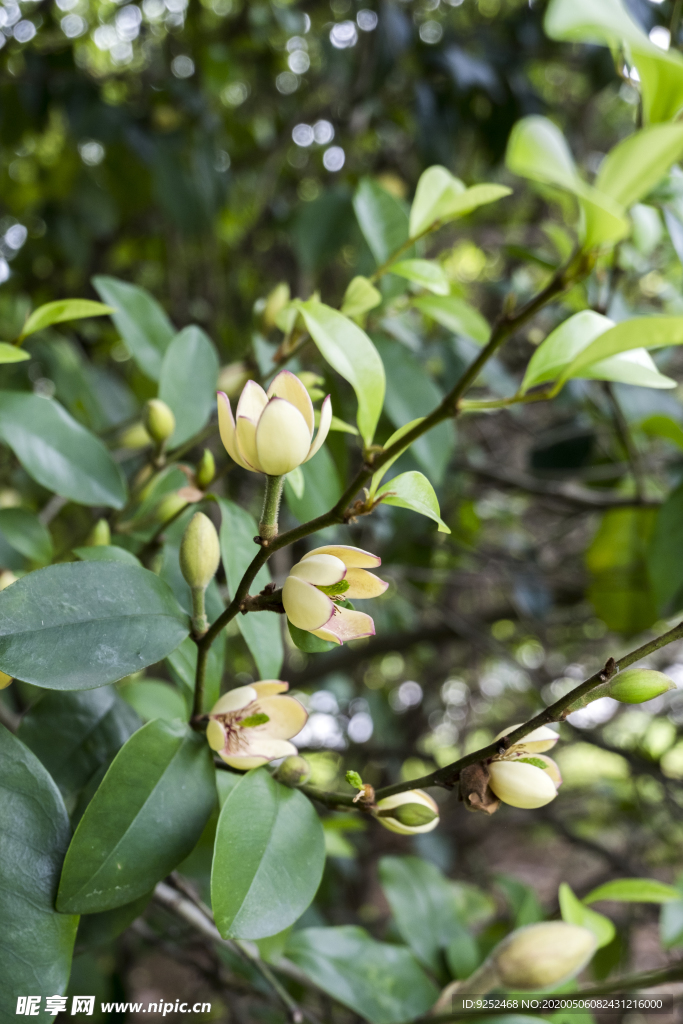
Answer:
(272, 431)
(321, 579)
(523, 776)
(408, 813)
(252, 725)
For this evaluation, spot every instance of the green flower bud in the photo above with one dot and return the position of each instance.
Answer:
(134, 437)
(100, 535)
(169, 506)
(159, 420)
(637, 685)
(206, 470)
(408, 813)
(200, 552)
(294, 771)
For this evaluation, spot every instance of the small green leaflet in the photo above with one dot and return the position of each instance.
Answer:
(634, 890)
(12, 354)
(354, 779)
(426, 273)
(575, 912)
(413, 491)
(59, 312)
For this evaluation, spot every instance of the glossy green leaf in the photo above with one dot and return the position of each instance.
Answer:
(60, 311)
(268, 859)
(24, 532)
(635, 165)
(413, 491)
(189, 375)
(575, 912)
(426, 273)
(140, 320)
(144, 819)
(424, 906)
(79, 625)
(106, 553)
(455, 315)
(37, 942)
(380, 982)
(396, 436)
(74, 734)
(382, 219)
(261, 630)
(350, 352)
(152, 698)
(665, 554)
(360, 297)
(440, 198)
(58, 452)
(634, 890)
(12, 354)
(646, 332)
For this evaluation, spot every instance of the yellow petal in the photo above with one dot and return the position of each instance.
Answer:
(243, 763)
(282, 438)
(233, 700)
(226, 427)
(216, 735)
(535, 742)
(552, 768)
(269, 687)
(306, 606)
(346, 624)
(287, 385)
(353, 558)
(325, 634)
(521, 785)
(321, 570)
(363, 584)
(323, 428)
(264, 748)
(253, 401)
(245, 434)
(5, 680)
(286, 716)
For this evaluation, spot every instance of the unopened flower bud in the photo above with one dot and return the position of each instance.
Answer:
(408, 813)
(7, 578)
(523, 783)
(542, 956)
(159, 420)
(637, 685)
(206, 470)
(100, 535)
(275, 303)
(294, 771)
(5, 680)
(200, 552)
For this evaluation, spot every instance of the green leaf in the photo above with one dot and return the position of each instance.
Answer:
(380, 982)
(645, 332)
(671, 921)
(350, 352)
(424, 906)
(261, 630)
(106, 553)
(360, 297)
(563, 347)
(382, 219)
(659, 425)
(58, 452)
(440, 198)
(396, 436)
(620, 589)
(12, 354)
(463, 956)
(74, 734)
(575, 912)
(79, 625)
(307, 642)
(322, 487)
(144, 819)
(635, 165)
(426, 273)
(414, 491)
(37, 942)
(152, 698)
(268, 859)
(188, 380)
(101, 929)
(60, 311)
(141, 322)
(455, 315)
(665, 555)
(24, 532)
(634, 890)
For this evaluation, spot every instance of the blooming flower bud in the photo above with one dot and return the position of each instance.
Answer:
(273, 431)
(637, 685)
(294, 771)
(159, 420)
(200, 552)
(408, 813)
(323, 578)
(100, 535)
(206, 469)
(252, 725)
(5, 680)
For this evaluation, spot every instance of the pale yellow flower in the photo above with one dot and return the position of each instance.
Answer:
(251, 725)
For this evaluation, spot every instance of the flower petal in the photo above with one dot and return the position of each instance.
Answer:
(535, 742)
(353, 558)
(321, 571)
(362, 583)
(253, 401)
(233, 700)
(226, 426)
(323, 428)
(282, 438)
(216, 736)
(306, 606)
(269, 687)
(267, 752)
(345, 625)
(413, 796)
(286, 717)
(521, 785)
(287, 385)
(552, 768)
(245, 432)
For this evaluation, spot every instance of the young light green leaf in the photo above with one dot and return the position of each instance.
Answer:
(144, 819)
(12, 354)
(426, 273)
(382, 219)
(350, 352)
(575, 912)
(58, 452)
(24, 532)
(396, 436)
(60, 311)
(414, 491)
(634, 890)
(268, 858)
(187, 384)
(360, 297)
(635, 165)
(34, 836)
(354, 779)
(379, 981)
(261, 631)
(640, 332)
(455, 315)
(440, 198)
(140, 320)
(79, 625)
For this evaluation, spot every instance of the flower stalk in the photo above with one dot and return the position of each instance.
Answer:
(267, 527)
